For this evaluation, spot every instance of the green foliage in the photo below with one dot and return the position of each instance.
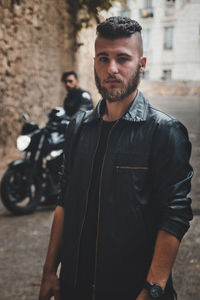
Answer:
(83, 11)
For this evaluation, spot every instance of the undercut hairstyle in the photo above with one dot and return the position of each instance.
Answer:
(66, 74)
(118, 27)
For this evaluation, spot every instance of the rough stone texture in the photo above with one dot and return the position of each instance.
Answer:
(34, 50)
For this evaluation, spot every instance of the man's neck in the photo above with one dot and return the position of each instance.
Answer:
(115, 110)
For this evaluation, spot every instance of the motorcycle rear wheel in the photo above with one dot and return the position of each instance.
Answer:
(19, 195)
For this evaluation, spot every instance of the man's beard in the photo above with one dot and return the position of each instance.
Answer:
(118, 94)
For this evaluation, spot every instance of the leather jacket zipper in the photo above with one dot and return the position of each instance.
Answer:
(132, 168)
(99, 209)
(86, 205)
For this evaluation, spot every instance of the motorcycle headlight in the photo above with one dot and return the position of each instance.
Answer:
(23, 141)
(53, 154)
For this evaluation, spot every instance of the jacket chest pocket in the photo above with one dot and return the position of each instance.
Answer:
(132, 177)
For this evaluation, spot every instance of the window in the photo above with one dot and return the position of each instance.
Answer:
(168, 37)
(170, 1)
(147, 10)
(167, 74)
(148, 3)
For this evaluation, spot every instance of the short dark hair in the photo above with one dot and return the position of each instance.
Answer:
(118, 27)
(66, 74)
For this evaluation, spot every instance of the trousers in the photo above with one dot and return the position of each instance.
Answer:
(84, 295)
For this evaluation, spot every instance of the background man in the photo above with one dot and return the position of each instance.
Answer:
(123, 209)
(77, 98)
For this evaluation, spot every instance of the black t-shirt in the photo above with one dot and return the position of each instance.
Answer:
(89, 233)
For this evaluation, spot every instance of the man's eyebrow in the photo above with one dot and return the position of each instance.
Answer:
(102, 53)
(119, 54)
(123, 54)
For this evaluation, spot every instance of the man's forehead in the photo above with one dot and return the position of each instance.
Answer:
(120, 45)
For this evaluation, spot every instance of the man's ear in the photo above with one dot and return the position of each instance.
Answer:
(143, 61)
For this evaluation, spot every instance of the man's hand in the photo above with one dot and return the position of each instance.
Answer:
(50, 286)
(143, 295)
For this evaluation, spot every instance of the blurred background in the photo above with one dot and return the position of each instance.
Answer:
(39, 40)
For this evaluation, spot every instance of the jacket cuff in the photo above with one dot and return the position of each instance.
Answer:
(174, 228)
(59, 201)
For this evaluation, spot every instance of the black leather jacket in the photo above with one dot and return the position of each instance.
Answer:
(145, 179)
(76, 100)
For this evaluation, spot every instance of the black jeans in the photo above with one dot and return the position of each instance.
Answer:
(87, 295)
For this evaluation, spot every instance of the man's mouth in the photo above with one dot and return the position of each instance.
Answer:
(112, 81)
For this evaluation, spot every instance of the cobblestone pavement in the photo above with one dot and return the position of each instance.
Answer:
(24, 239)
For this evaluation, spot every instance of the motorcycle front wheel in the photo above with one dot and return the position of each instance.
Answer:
(19, 193)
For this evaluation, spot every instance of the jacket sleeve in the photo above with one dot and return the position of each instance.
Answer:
(172, 175)
(86, 101)
(65, 166)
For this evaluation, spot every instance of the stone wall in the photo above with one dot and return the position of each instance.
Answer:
(34, 50)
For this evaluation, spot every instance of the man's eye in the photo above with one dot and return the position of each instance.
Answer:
(122, 59)
(103, 59)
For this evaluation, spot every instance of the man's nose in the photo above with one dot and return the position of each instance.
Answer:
(112, 67)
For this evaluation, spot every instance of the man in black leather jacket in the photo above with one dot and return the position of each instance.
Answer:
(123, 207)
(77, 99)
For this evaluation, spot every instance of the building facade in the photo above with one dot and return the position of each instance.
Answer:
(171, 36)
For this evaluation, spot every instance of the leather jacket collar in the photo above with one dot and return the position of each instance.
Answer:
(136, 113)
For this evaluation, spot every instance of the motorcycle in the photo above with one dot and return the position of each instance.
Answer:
(34, 180)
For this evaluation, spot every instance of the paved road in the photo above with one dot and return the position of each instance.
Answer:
(23, 239)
